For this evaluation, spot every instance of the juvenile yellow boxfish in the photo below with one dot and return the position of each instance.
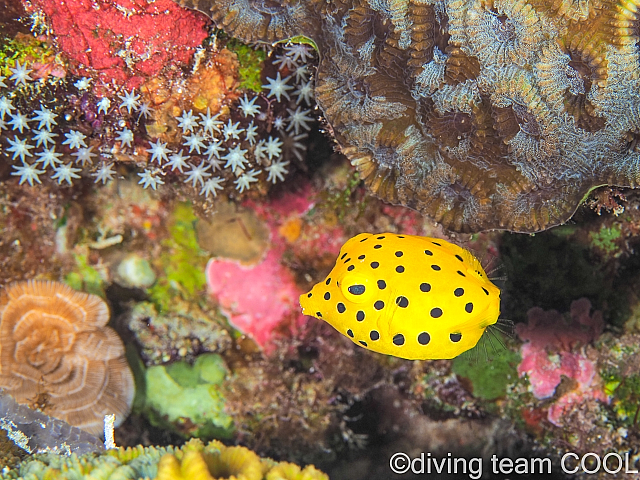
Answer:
(408, 296)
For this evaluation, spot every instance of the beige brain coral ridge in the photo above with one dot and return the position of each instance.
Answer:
(57, 354)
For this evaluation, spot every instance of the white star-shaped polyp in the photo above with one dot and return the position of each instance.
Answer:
(235, 158)
(276, 171)
(75, 139)
(249, 107)
(27, 173)
(45, 117)
(19, 148)
(49, 157)
(5, 106)
(244, 181)
(232, 130)
(278, 87)
(195, 141)
(211, 185)
(103, 105)
(251, 133)
(104, 173)
(273, 147)
(129, 100)
(177, 160)
(83, 83)
(65, 173)
(19, 121)
(149, 179)
(84, 155)
(187, 122)
(299, 52)
(298, 120)
(214, 149)
(158, 152)
(197, 174)
(125, 136)
(44, 137)
(304, 93)
(210, 123)
(20, 74)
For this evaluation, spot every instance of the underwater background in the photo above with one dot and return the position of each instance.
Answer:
(174, 176)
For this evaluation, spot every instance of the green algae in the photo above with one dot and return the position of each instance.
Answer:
(85, 277)
(188, 399)
(26, 50)
(606, 239)
(181, 261)
(250, 67)
(625, 393)
(300, 39)
(343, 200)
(489, 378)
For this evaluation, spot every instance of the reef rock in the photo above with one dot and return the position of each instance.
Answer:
(480, 114)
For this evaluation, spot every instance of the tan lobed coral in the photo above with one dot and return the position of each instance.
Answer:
(482, 114)
(57, 355)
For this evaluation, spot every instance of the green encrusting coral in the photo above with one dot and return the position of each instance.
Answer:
(84, 277)
(625, 396)
(250, 65)
(26, 49)
(193, 461)
(181, 260)
(489, 378)
(188, 399)
(605, 239)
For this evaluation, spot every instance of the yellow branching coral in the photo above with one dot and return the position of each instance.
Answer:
(57, 355)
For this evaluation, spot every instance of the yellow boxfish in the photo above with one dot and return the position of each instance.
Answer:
(408, 296)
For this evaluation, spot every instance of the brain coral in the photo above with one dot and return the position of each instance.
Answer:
(57, 355)
(483, 114)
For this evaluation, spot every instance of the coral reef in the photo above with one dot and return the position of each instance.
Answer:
(58, 356)
(194, 460)
(206, 131)
(182, 331)
(482, 115)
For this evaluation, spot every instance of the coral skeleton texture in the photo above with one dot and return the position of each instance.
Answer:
(482, 114)
(57, 354)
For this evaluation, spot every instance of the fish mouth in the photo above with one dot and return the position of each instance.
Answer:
(304, 303)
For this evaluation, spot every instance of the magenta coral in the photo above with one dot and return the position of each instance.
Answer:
(124, 40)
(260, 299)
(255, 299)
(549, 354)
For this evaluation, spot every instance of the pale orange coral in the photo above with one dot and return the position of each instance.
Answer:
(57, 354)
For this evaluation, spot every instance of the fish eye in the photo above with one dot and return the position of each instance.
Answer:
(356, 287)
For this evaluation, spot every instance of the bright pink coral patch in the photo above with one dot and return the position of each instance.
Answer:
(263, 298)
(549, 354)
(255, 299)
(124, 40)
